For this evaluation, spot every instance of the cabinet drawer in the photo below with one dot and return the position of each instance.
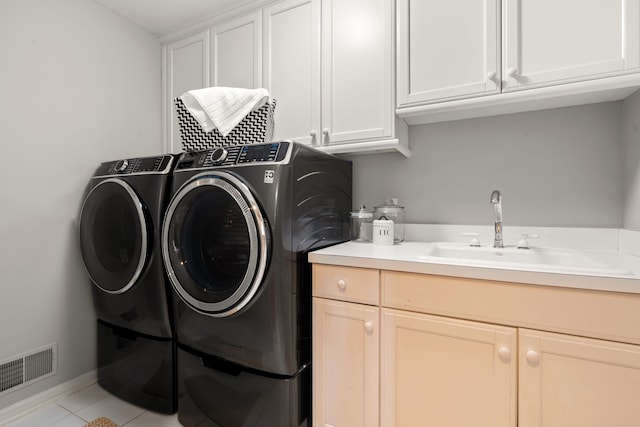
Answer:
(548, 308)
(346, 283)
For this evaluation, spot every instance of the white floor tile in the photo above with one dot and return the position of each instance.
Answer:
(42, 417)
(70, 421)
(82, 398)
(118, 411)
(151, 419)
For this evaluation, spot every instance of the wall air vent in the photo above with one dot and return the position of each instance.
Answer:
(27, 368)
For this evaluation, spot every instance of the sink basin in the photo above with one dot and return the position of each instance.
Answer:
(536, 259)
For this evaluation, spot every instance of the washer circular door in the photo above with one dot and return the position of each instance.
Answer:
(113, 236)
(215, 244)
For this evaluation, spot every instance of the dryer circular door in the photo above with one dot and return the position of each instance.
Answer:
(113, 236)
(215, 244)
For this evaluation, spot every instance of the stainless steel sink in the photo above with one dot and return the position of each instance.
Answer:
(536, 259)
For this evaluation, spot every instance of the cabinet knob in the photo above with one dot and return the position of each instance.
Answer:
(505, 354)
(368, 326)
(491, 75)
(325, 132)
(533, 357)
(512, 72)
(342, 285)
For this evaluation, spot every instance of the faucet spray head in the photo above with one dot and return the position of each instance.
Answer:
(496, 197)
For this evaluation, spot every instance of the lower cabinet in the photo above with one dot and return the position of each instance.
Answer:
(345, 364)
(446, 372)
(377, 365)
(568, 381)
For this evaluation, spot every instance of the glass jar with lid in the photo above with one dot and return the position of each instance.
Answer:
(361, 225)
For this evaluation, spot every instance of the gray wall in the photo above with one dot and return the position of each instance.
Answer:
(631, 138)
(560, 167)
(79, 85)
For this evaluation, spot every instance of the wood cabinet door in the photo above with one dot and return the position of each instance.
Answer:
(551, 41)
(447, 371)
(345, 364)
(291, 48)
(236, 52)
(357, 70)
(186, 64)
(447, 49)
(568, 381)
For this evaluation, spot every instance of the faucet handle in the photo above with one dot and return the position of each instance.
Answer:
(475, 242)
(523, 240)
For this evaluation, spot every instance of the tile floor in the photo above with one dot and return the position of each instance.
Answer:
(77, 409)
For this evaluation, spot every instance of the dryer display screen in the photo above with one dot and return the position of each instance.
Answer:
(259, 153)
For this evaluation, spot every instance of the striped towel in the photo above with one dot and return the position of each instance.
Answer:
(223, 107)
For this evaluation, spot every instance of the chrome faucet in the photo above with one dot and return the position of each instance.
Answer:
(496, 201)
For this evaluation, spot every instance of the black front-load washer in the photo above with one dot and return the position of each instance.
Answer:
(120, 226)
(235, 240)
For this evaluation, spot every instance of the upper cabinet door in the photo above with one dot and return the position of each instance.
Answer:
(292, 67)
(357, 70)
(447, 49)
(548, 41)
(236, 52)
(186, 68)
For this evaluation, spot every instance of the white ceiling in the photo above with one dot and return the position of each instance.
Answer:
(162, 16)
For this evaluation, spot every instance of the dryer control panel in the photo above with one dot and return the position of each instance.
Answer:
(140, 165)
(234, 155)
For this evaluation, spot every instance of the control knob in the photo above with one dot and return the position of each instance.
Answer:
(121, 166)
(218, 155)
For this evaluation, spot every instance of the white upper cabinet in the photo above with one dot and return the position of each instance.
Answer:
(474, 58)
(186, 67)
(228, 53)
(236, 52)
(329, 65)
(447, 49)
(291, 44)
(548, 41)
(357, 71)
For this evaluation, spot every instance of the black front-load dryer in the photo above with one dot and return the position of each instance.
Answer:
(235, 240)
(120, 226)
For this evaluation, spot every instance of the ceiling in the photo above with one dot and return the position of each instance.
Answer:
(163, 16)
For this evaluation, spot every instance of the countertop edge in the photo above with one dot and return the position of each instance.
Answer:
(334, 256)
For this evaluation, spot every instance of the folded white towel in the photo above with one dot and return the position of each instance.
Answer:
(223, 107)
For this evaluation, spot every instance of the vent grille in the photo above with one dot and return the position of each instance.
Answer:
(24, 369)
(11, 374)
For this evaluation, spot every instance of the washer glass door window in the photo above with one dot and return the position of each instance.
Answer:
(113, 236)
(215, 244)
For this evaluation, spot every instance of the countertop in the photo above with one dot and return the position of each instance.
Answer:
(404, 257)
